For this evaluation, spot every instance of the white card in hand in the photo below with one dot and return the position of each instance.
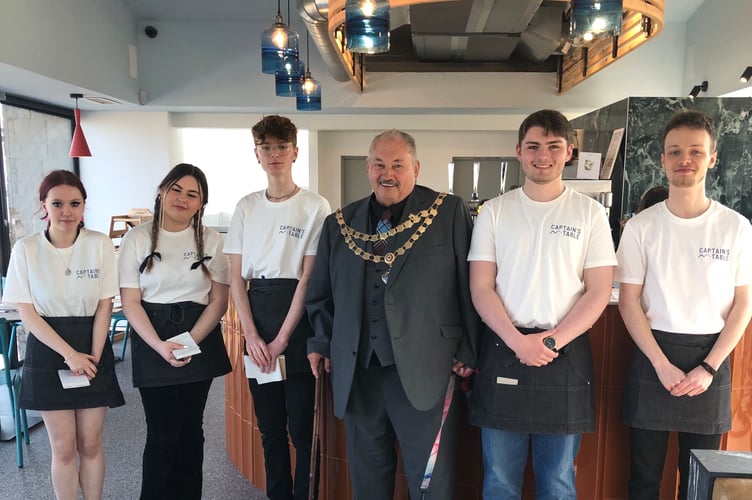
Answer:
(191, 347)
(71, 381)
(253, 371)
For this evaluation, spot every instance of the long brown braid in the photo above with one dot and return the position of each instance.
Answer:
(178, 172)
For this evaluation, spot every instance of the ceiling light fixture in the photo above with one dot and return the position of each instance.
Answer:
(309, 95)
(288, 79)
(79, 148)
(746, 75)
(367, 26)
(592, 19)
(703, 87)
(279, 42)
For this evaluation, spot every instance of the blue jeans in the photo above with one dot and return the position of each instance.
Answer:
(505, 456)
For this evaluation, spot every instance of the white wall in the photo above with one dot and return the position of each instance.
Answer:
(81, 42)
(130, 155)
(718, 46)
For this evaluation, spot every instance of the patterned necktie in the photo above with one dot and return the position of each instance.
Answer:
(383, 226)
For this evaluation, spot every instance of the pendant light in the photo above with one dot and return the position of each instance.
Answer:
(288, 79)
(279, 42)
(309, 95)
(79, 147)
(592, 19)
(367, 26)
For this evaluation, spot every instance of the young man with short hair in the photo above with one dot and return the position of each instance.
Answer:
(685, 268)
(541, 268)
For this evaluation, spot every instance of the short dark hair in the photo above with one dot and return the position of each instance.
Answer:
(551, 121)
(691, 118)
(277, 127)
(655, 194)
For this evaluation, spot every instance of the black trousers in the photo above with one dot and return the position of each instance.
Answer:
(648, 454)
(377, 415)
(281, 407)
(174, 452)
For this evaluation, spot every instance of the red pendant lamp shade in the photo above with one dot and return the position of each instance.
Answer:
(79, 147)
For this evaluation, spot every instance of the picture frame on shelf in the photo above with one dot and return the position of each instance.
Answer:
(613, 151)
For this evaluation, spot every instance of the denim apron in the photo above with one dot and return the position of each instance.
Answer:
(151, 370)
(41, 388)
(648, 405)
(270, 301)
(557, 398)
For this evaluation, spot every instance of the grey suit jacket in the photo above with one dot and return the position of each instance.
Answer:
(429, 311)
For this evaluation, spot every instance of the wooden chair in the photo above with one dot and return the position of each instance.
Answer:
(121, 224)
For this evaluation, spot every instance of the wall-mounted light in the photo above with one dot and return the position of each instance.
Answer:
(79, 148)
(367, 26)
(703, 87)
(279, 42)
(591, 19)
(309, 94)
(746, 75)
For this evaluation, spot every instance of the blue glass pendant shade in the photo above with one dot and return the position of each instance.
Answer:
(288, 78)
(279, 42)
(592, 19)
(309, 99)
(367, 26)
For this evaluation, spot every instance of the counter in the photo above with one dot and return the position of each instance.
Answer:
(603, 461)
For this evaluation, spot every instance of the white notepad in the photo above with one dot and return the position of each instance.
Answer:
(253, 371)
(191, 347)
(71, 381)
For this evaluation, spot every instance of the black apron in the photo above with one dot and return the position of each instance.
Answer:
(648, 405)
(557, 398)
(270, 301)
(41, 388)
(151, 370)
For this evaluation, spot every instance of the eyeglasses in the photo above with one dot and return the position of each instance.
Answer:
(283, 148)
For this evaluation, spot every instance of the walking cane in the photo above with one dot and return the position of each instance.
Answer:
(315, 443)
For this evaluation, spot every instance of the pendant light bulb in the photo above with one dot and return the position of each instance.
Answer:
(309, 85)
(368, 7)
(279, 37)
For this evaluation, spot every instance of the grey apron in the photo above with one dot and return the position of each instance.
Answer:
(648, 405)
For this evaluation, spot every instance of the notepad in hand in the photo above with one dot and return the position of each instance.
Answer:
(185, 339)
(253, 371)
(71, 381)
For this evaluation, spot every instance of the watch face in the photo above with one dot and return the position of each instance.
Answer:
(550, 342)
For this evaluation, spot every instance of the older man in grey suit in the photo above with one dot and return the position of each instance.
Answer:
(390, 304)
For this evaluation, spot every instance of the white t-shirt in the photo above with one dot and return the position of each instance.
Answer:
(36, 274)
(688, 268)
(171, 278)
(541, 250)
(273, 238)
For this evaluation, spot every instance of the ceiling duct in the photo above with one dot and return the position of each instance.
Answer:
(315, 14)
(546, 34)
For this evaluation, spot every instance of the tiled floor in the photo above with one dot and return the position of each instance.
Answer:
(124, 441)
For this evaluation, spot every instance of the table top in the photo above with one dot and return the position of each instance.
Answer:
(9, 314)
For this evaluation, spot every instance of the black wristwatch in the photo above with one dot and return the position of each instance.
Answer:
(550, 342)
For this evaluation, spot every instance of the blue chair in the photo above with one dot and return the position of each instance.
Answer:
(11, 377)
(117, 318)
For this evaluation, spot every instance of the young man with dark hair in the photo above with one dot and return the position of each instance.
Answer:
(541, 267)
(685, 268)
